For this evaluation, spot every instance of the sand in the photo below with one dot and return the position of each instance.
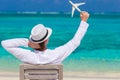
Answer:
(70, 76)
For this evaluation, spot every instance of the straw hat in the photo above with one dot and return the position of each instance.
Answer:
(40, 33)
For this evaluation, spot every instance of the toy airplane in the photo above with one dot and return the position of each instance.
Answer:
(75, 6)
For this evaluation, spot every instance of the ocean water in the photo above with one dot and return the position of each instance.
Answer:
(99, 50)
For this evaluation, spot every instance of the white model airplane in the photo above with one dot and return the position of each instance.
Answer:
(75, 6)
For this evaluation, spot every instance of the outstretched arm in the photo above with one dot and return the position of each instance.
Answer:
(68, 48)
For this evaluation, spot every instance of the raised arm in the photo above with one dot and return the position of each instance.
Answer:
(68, 48)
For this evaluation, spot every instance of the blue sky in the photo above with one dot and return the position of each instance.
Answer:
(58, 5)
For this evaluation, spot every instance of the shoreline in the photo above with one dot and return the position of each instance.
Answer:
(69, 75)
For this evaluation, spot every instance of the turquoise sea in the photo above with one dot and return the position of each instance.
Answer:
(99, 50)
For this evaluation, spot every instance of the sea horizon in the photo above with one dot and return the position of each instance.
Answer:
(65, 13)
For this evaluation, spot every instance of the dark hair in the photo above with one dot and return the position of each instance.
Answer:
(42, 46)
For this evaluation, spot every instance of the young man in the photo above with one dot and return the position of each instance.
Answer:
(38, 41)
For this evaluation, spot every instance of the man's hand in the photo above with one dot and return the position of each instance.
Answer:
(84, 16)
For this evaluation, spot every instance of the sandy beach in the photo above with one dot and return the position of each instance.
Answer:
(70, 76)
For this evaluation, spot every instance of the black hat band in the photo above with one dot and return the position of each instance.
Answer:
(40, 39)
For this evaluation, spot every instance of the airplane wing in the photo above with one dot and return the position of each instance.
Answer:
(73, 9)
(79, 4)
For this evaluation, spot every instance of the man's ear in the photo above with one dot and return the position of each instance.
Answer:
(29, 43)
(46, 41)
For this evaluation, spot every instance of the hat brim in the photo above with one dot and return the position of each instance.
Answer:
(49, 34)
